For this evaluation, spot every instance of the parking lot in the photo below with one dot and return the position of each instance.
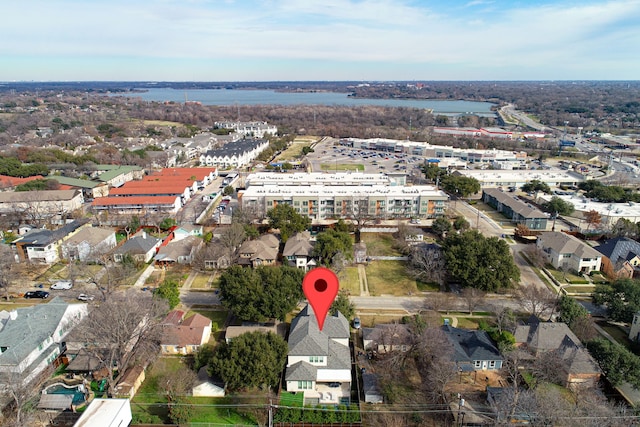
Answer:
(328, 157)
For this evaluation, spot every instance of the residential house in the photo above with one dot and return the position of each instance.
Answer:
(262, 251)
(187, 230)
(319, 361)
(207, 386)
(32, 338)
(298, 251)
(620, 257)
(43, 246)
(179, 251)
(184, 336)
(568, 252)
(88, 244)
(130, 382)
(386, 337)
(515, 209)
(473, 350)
(540, 337)
(141, 248)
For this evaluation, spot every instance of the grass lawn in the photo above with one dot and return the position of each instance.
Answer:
(359, 167)
(201, 281)
(370, 320)
(580, 289)
(427, 287)
(619, 334)
(161, 123)
(380, 244)
(294, 151)
(149, 404)
(350, 280)
(290, 399)
(13, 306)
(566, 277)
(218, 317)
(389, 278)
(467, 322)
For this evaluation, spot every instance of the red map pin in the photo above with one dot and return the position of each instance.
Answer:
(320, 286)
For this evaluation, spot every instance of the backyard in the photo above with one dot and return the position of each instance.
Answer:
(390, 278)
(149, 404)
(380, 244)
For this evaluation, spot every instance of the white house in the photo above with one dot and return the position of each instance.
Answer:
(88, 243)
(319, 361)
(568, 252)
(31, 338)
(234, 154)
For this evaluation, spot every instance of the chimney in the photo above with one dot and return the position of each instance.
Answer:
(144, 234)
(13, 314)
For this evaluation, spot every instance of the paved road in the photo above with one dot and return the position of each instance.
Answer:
(523, 118)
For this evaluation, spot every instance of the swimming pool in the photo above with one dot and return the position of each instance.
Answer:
(77, 391)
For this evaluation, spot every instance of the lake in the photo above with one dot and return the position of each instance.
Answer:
(270, 97)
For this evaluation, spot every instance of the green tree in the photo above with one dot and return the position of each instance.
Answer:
(329, 243)
(536, 185)
(480, 262)
(228, 191)
(341, 226)
(169, 290)
(571, 310)
(285, 218)
(461, 223)
(433, 172)
(167, 223)
(441, 226)
(617, 363)
(343, 305)
(622, 299)
(262, 293)
(460, 186)
(559, 206)
(253, 359)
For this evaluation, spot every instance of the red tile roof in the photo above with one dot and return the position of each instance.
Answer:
(12, 181)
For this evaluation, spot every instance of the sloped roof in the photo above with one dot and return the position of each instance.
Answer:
(620, 248)
(90, 235)
(301, 371)
(266, 247)
(549, 336)
(388, 334)
(75, 182)
(299, 244)
(236, 148)
(177, 248)
(515, 205)
(37, 196)
(113, 171)
(563, 243)
(43, 237)
(471, 345)
(305, 337)
(189, 332)
(138, 245)
(32, 326)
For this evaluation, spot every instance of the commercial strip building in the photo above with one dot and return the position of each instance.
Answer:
(500, 159)
(506, 178)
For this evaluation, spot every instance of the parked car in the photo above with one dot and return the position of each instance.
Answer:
(356, 323)
(37, 294)
(85, 297)
(62, 285)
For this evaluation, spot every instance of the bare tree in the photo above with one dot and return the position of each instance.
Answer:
(427, 264)
(122, 329)
(435, 365)
(537, 256)
(536, 300)
(439, 301)
(473, 297)
(505, 318)
(14, 398)
(8, 269)
(232, 237)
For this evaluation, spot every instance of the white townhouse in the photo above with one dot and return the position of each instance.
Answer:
(234, 154)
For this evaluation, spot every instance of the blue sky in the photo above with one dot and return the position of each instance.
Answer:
(268, 40)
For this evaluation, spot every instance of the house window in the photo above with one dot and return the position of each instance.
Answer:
(316, 359)
(492, 364)
(305, 385)
(478, 364)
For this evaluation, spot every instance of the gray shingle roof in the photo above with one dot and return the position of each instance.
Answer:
(42, 237)
(236, 147)
(471, 345)
(137, 245)
(32, 326)
(299, 244)
(563, 243)
(306, 339)
(301, 371)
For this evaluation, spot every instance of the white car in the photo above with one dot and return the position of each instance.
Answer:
(62, 285)
(85, 297)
